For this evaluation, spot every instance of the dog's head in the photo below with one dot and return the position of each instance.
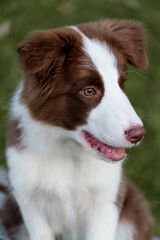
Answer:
(74, 79)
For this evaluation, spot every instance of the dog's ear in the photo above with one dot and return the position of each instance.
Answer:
(131, 38)
(45, 49)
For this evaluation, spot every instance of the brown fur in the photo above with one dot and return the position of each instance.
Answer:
(3, 189)
(52, 95)
(11, 216)
(134, 210)
(125, 36)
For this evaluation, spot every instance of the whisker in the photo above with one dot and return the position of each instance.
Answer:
(145, 116)
(128, 157)
(144, 77)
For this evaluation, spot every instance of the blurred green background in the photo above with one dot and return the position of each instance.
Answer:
(20, 17)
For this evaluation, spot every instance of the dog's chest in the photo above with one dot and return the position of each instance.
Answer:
(64, 190)
(74, 178)
(67, 209)
(70, 191)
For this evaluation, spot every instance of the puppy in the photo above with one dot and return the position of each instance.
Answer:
(70, 122)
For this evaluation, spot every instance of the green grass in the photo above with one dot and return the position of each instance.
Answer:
(143, 86)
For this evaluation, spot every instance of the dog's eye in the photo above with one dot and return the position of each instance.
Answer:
(88, 92)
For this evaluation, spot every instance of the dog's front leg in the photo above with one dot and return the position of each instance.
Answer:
(35, 222)
(102, 223)
(23, 178)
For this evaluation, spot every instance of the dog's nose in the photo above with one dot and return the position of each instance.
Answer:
(135, 134)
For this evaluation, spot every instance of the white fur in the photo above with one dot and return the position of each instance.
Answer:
(59, 184)
(125, 231)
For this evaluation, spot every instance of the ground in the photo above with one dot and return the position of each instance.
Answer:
(19, 18)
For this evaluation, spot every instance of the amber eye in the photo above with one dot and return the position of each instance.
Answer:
(88, 92)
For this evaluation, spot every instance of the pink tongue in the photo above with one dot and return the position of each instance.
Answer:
(104, 150)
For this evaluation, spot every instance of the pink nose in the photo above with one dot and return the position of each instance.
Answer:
(135, 134)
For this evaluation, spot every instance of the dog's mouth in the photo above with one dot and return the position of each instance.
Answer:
(103, 150)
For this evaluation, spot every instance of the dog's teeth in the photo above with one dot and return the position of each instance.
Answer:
(109, 150)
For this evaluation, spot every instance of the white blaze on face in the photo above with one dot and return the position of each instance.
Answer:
(114, 115)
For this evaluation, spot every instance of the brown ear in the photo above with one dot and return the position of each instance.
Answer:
(45, 48)
(131, 38)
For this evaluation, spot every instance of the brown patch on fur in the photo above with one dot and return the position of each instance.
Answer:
(125, 36)
(14, 133)
(134, 210)
(11, 216)
(3, 189)
(56, 71)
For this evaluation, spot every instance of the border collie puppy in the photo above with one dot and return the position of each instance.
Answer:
(70, 122)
